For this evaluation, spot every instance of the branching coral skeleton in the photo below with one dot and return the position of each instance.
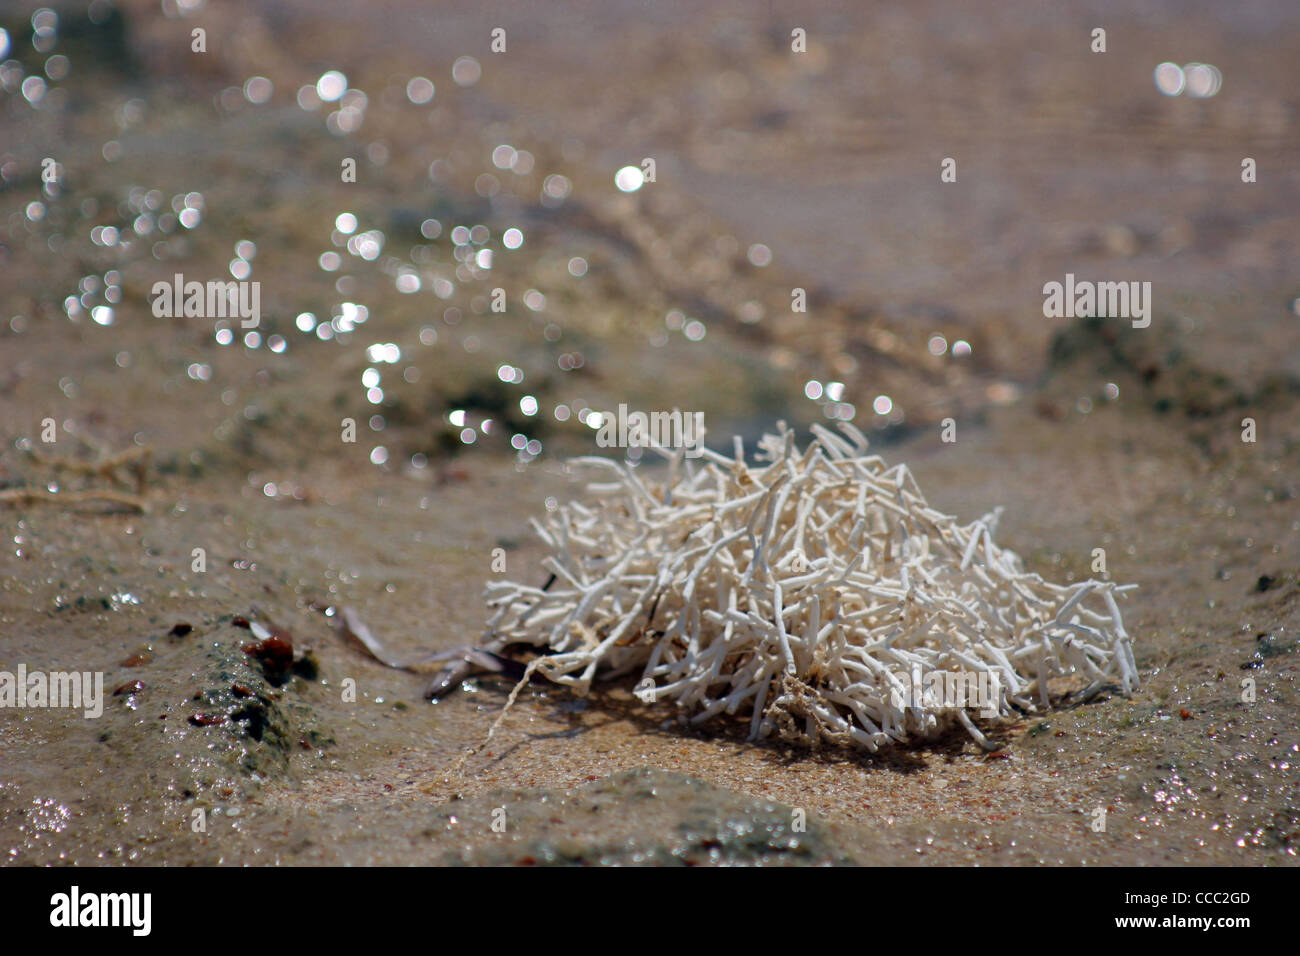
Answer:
(802, 593)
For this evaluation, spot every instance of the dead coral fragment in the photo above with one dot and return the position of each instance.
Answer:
(809, 593)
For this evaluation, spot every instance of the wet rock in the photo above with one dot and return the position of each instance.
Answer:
(646, 817)
(1273, 644)
(1158, 361)
(259, 726)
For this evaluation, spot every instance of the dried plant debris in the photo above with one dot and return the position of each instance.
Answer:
(464, 661)
(816, 593)
(127, 469)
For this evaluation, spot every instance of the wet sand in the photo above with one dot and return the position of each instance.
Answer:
(1071, 168)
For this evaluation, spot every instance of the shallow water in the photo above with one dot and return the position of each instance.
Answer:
(925, 302)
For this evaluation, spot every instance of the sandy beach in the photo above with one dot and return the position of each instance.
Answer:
(236, 498)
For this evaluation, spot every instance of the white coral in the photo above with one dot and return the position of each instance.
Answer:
(809, 593)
